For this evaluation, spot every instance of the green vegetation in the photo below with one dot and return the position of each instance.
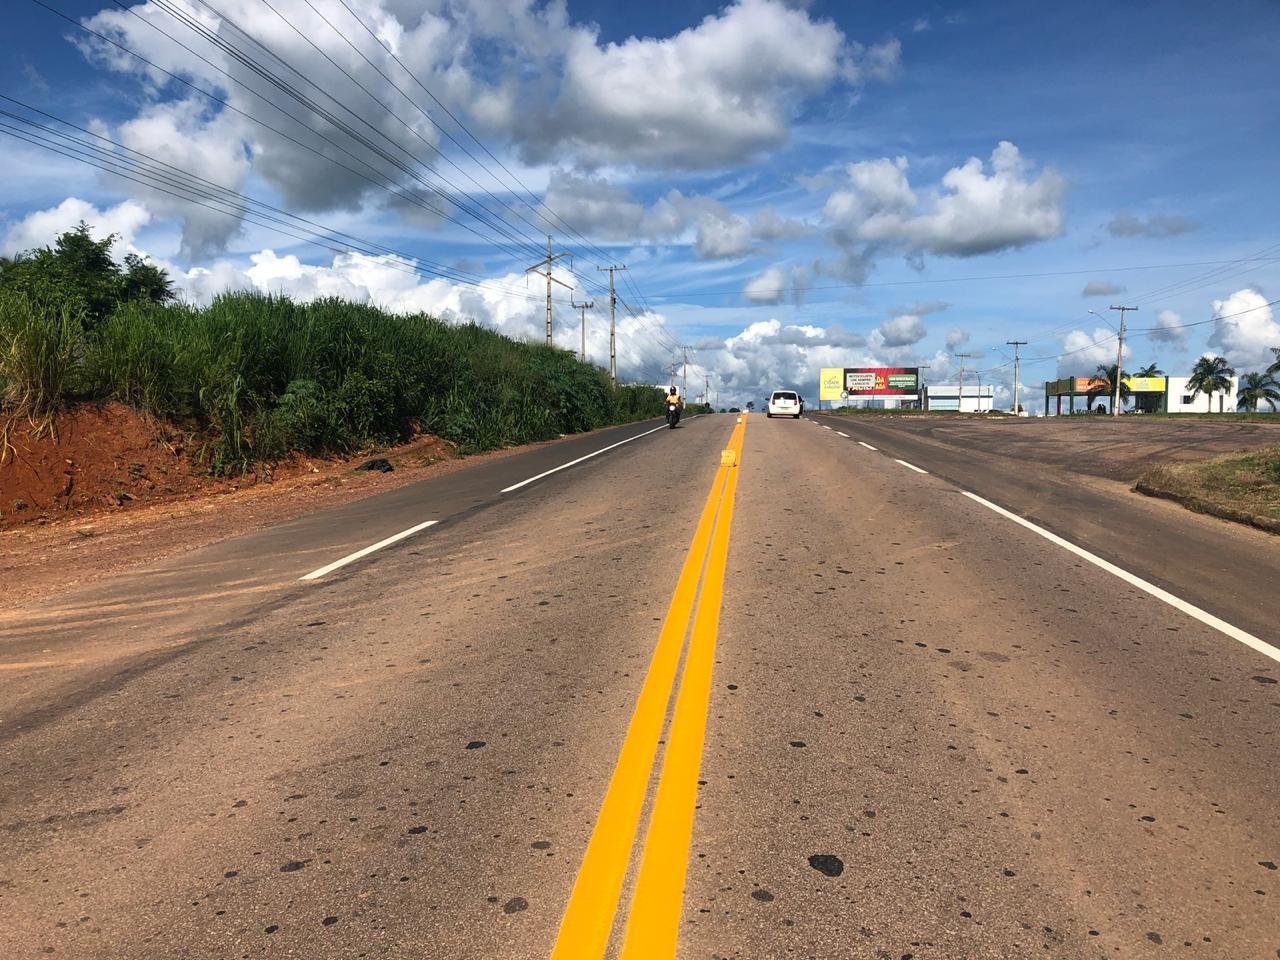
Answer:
(261, 376)
(1211, 375)
(77, 272)
(1256, 388)
(1246, 484)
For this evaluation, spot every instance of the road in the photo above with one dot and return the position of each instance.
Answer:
(904, 724)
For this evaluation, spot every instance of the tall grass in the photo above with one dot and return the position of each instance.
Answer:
(41, 343)
(263, 376)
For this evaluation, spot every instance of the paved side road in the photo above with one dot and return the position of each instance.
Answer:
(926, 731)
(1219, 566)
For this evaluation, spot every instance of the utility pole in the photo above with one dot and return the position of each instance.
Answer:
(1115, 401)
(1016, 344)
(613, 335)
(584, 307)
(544, 267)
(962, 357)
(684, 374)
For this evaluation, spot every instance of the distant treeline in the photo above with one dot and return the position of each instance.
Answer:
(261, 376)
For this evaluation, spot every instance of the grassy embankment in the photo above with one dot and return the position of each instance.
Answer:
(1243, 484)
(256, 377)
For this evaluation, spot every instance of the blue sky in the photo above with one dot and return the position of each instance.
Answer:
(790, 185)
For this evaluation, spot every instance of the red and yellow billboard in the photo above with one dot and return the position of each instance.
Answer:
(836, 383)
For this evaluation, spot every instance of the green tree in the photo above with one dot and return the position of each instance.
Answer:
(1150, 370)
(1211, 375)
(1103, 384)
(1274, 369)
(80, 271)
(1255, 388)
(144, 281)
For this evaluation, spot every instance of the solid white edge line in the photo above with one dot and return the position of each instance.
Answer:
(845, 435)
(1191, 610)
(571, 463)
(910, 466)
(329, 568)
(867, 445)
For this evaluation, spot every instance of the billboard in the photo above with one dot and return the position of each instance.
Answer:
(881, 381)
(841, 383)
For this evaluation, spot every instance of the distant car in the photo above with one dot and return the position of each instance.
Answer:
(785, 403)
(734, 410)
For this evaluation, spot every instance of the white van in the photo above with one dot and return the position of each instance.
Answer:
(785, 403)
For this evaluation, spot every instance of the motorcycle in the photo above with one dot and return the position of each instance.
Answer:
(673, 415)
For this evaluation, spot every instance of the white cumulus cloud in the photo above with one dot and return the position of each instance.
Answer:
(1083, 352)
(977, 208)
(1245, 329)
(41, 227)
(1169, 329)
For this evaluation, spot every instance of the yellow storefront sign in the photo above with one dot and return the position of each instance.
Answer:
(1145, 384)
(830, 383)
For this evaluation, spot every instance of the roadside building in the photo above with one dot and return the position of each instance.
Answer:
(977, 398)
(1146, 395)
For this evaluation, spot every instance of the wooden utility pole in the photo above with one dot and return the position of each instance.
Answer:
(613, 330)
(544, 267)
(584, 307)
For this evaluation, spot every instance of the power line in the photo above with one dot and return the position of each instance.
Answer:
(291, 91)
(194, 190)
(699, 294)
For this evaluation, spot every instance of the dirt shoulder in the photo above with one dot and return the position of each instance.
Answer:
(55, 553)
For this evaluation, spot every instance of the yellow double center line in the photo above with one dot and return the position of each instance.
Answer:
(654, 917)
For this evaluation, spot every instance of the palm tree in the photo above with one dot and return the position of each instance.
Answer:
(1256, 387)
(1274, 369)
(1149, 402)
(1211, 375)
(1103, 383)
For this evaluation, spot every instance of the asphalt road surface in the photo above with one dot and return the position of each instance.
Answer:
(852, 693)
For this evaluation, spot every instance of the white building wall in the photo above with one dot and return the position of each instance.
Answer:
(1181, 399)
(947, 397)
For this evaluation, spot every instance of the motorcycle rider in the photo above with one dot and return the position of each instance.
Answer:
(673, 400)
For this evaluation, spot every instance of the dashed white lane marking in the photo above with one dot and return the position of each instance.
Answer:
(845, 435)
(909, 466)
(825, 427)
(572, 463)
(867, 445)
(1191, 610)
(394, 538)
